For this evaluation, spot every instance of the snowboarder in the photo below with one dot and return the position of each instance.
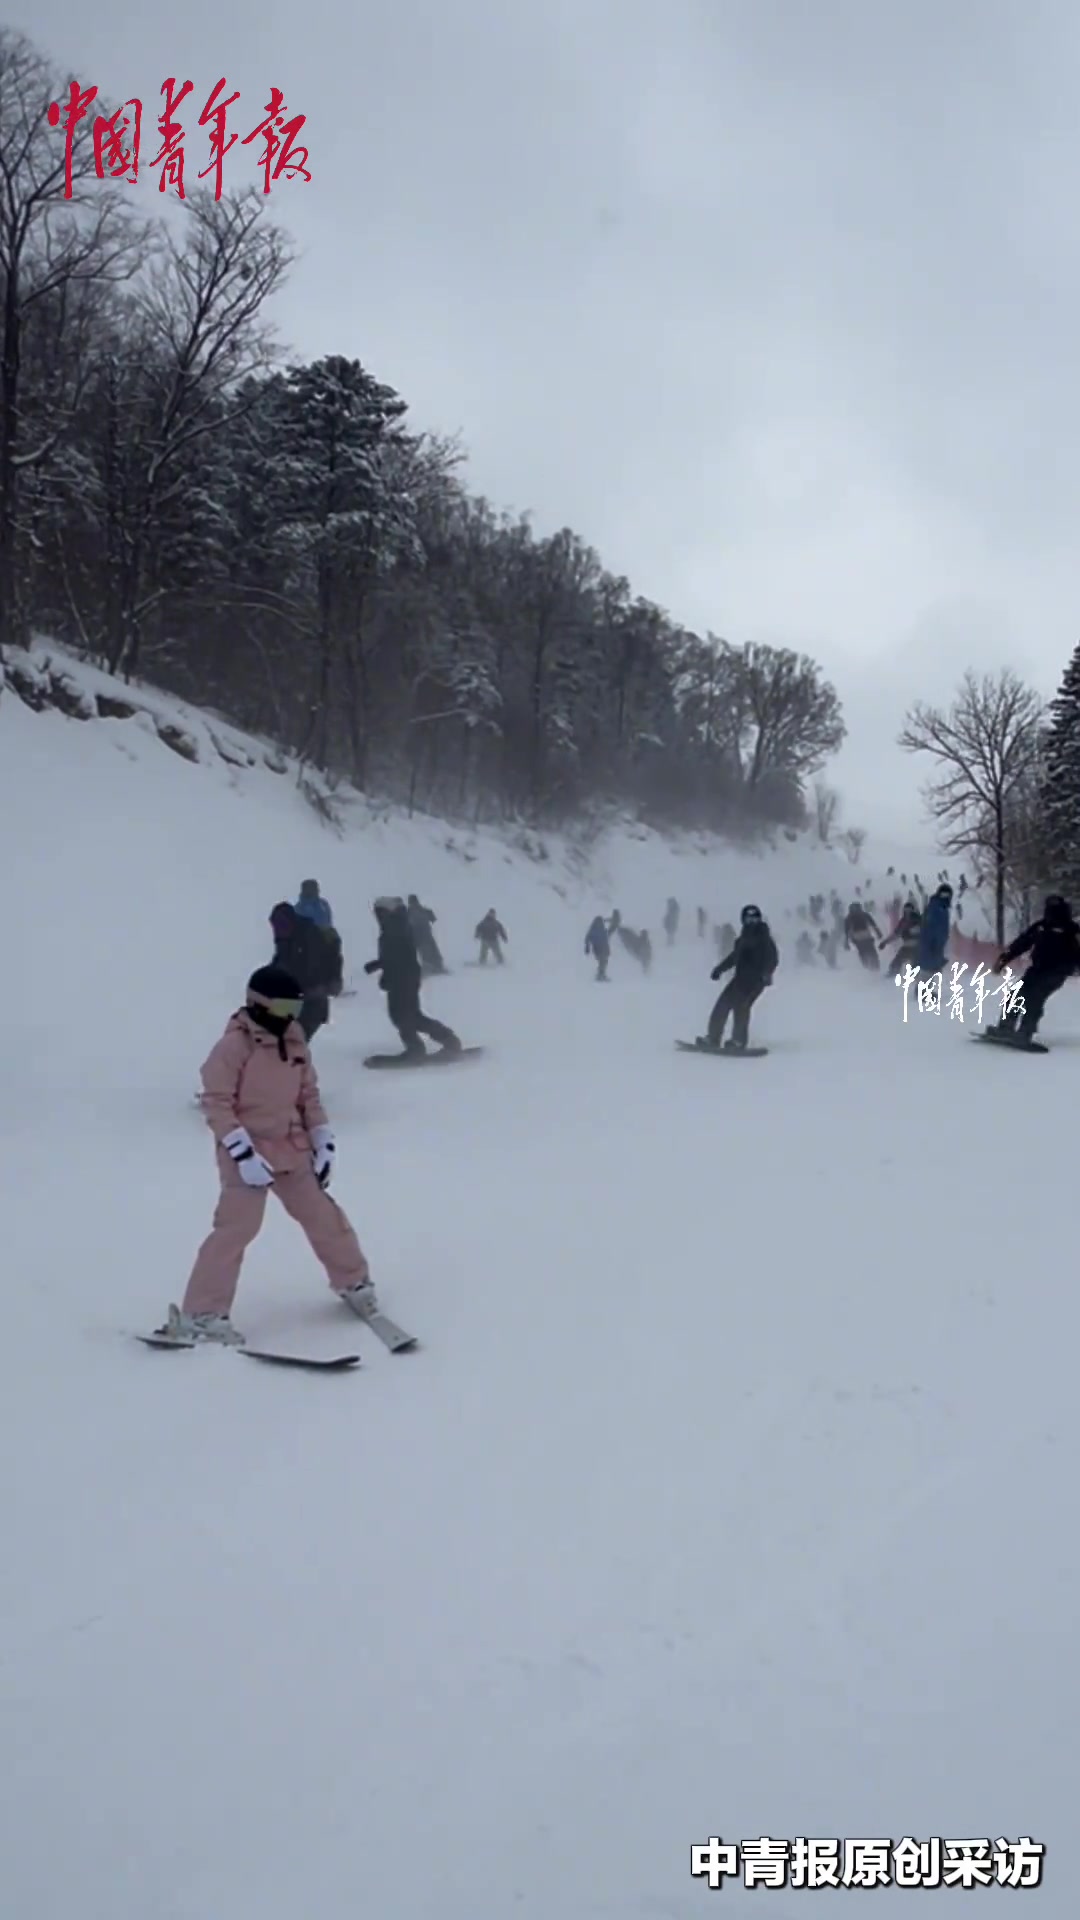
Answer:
(1054, 944)
(302, 949)
(804, 949)
(860, 932)
(934, 932)
(907, 931)
(262, 1103)
(491, 933)
(312, 906)
(398, 967)
(421, 920)
(598, 944)
(754, 959)
(827, 946)
(671, 921)
(702, 922)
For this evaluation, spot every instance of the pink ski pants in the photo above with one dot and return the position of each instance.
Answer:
(237, 1219)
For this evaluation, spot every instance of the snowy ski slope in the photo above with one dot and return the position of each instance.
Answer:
(732, 1492)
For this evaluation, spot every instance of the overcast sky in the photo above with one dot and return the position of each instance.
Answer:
(773, 301)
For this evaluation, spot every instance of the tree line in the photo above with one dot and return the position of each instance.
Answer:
(276, 541)
(1005, 786)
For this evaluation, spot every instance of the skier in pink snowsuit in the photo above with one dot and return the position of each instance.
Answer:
(262, 1103)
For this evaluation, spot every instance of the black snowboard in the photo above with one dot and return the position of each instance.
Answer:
(1011, 1046)
(435, 1059)
(721, 1053)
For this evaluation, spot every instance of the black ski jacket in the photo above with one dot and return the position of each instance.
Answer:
(397, 965)
(489, 929)
(754, 957)
(306, 953)
(1053, 949)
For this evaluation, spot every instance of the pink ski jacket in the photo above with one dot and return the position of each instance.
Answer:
(246, 1083)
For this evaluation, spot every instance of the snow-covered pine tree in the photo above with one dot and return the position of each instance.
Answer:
(1061, 785)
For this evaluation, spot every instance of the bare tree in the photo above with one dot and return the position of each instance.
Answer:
(985, 748)
(792, 715)
(51, 241)
(198, 339)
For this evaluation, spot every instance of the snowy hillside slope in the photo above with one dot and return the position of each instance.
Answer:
(250, 825)
(729, 1491)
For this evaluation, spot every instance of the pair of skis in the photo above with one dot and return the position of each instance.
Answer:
(393, 1337)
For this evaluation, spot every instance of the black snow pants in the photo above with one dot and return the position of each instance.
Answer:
(491, 946)
(1035, 991)
(403, 1007)
(868, 954)
(736, 1001)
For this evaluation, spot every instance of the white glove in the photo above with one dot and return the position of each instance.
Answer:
(254, 1170)
(322, 1157)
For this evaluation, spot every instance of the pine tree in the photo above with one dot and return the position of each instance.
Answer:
(1061, 784)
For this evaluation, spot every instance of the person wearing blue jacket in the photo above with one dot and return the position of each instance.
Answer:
(312, 906)
(934, 932)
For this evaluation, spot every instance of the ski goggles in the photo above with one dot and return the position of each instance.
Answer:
(283, 1009)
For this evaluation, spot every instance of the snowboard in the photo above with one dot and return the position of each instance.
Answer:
(1011, 1046)
(388, 1331)
(341, 1363)
(718, 1053)
(438, 1059)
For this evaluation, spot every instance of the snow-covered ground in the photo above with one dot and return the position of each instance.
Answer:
(730, 1493)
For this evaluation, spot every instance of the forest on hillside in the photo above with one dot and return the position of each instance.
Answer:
(280, 542)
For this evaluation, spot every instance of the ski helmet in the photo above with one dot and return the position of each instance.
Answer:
(750, 915)
(1056, 910)
(275, 989)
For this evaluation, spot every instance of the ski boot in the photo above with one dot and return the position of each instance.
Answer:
(362, 1300)
(184, 1327)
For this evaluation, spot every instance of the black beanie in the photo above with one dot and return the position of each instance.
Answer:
(273, 983)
